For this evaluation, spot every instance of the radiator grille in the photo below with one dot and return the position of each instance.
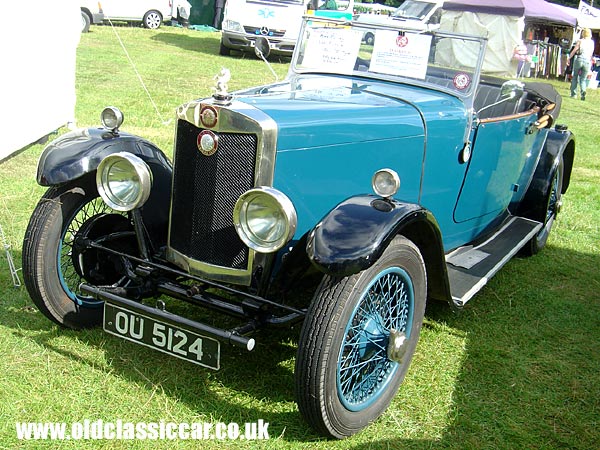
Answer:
(205, 189)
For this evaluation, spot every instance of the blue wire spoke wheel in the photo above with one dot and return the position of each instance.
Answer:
(364, 369)
(357, 341)
(69, 277)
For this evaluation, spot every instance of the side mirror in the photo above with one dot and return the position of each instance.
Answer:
(262, 47)
(512, 89)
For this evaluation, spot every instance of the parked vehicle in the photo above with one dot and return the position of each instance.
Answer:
(150, 13)
(333, 9)
(413, 14)
(265, 213)
(91, 13)
(278, 21)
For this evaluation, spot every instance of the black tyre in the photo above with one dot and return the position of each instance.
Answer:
(369, 38)
(85, 22)
(152, 20)
(345, 378)
(553, 202)
(54, 264)
(224, 51)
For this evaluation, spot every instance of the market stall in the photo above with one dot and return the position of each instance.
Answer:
(543, 29)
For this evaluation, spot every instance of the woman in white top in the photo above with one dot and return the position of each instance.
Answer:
(582, 63)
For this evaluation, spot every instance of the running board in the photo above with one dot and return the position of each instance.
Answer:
(470, 268)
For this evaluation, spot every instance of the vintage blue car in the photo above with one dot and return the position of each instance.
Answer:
(374, 178)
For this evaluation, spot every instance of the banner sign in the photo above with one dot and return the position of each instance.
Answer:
(588, 17)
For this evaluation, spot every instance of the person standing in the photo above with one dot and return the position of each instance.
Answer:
(219, 5)
(582, 62)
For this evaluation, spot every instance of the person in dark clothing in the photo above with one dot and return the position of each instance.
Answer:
(219, 5)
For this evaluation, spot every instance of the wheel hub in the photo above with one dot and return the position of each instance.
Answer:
(371, 339)
(397, 345)
(558, 206)
(95, 266)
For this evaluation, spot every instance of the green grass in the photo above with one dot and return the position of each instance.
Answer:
(518, 368)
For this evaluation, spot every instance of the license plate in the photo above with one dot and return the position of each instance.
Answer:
(161, 336)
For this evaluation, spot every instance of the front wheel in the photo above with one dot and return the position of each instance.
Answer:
(55, 262)
(224, 51)
(358, 339)
(152, 20)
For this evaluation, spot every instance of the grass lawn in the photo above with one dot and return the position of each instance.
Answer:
(518, 368)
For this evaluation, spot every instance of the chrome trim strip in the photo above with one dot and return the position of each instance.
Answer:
(529, 112)
(215, 273)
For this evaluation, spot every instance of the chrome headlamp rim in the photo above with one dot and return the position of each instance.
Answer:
(142, 177)
(112, 118)
(392, 179)
(244, 230)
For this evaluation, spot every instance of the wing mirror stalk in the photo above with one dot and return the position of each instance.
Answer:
(262, 49)
(511, 90)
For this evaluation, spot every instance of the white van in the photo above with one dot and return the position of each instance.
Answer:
(151, 13)
(276, 20)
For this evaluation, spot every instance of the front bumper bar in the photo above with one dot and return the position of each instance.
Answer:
(228, 336)
(246, 43)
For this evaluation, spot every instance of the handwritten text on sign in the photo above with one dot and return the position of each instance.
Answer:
(332, 49)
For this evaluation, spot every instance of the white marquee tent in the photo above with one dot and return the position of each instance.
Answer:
(38, 91)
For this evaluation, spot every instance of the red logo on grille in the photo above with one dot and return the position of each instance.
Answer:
(208, 116)
(207, 142)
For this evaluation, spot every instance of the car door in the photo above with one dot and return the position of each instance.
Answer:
(500, 150)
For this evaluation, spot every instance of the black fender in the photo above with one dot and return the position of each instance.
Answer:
(352, 236)
(559, 146)
(78, 153)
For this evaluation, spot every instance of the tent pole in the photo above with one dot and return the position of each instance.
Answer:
(14, 272)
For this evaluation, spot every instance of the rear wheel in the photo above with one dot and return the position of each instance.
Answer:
(358, 339)
(152, 20)
(553, 204)
(85, 22)
(55, 260)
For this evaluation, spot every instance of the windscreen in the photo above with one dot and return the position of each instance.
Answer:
(447, 61)
(413, 10)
